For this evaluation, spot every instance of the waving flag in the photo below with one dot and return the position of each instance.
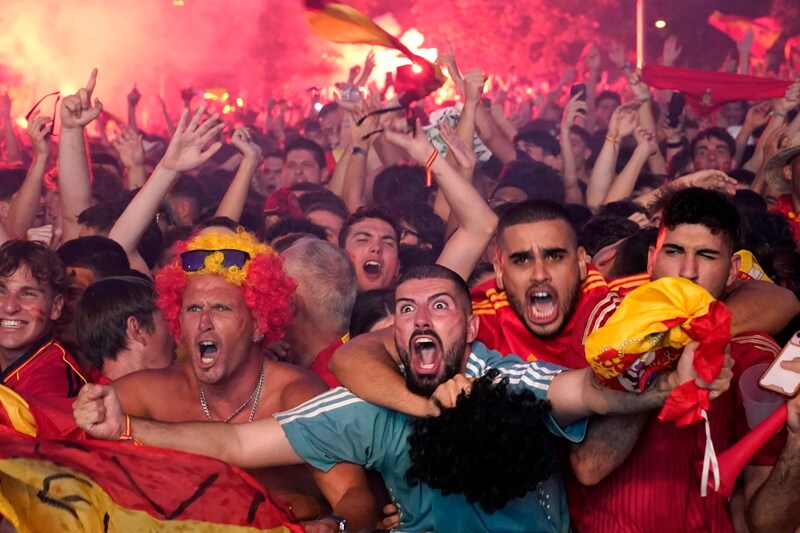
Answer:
(340, 23)
(766, 30)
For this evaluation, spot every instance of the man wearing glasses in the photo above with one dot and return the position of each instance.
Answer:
(225, 298)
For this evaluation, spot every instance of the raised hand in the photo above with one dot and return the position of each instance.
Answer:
(575, 108)
(187, 149)
(46, 235)
(624, 120)
(129, 146)
(758, 115)
(746, 43)
(134, 96)
(463, 154)
(671, 50)
(790, 100)
(5, 105)
(38, 133)
(708, 179)
(446, 394)
(242, 141)
(77, 110)
(639, 89)
(98, 412)
(416, 143)
(646, 139)
(474, 81)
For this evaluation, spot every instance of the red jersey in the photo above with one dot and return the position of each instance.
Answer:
(657, 488)
(319, 365)
(46, 369)
(501, 328)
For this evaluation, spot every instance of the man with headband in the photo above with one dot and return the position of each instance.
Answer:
(224, 298)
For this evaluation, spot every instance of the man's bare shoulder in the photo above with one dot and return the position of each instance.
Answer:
(142, 393)
(296, 384)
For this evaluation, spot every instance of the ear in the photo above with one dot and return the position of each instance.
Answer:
(473, 323)
(736, 263)
(497, 263)
(787, 173)
(583, 262)
(133, 331)
(651, 256)
(58, 306)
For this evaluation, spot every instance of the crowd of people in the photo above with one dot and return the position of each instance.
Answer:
(380, 311)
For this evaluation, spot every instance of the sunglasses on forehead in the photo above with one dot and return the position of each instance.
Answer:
(194, 260)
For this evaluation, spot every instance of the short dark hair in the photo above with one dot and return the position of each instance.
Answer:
(11, 178)
(604, 230)
(370, 307)
(102, 314)
(536, 179)
(307, 144)
(585, 136)
(286, 226)
(363, 213)
(609, 95)
(715, 132)
(400, 183)
(103, 256)
(539, 138)
(706, 207)
(535, 211)
(45, 265)
(440, 272)
(428, 225)
(190, 187)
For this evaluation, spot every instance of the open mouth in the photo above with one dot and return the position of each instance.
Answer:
(372, 269)
(426, 353)
(208, 352)
(542, 307)
(12, 324)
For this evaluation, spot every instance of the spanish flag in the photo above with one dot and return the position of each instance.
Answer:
(766, 30)
(78, 484)
(646, 334)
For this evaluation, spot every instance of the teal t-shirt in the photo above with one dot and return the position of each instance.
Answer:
(337, 426)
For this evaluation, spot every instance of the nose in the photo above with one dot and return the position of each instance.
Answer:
(10, 303)
(689, 268)
(540, 273)
(205, 323)
(422, 318)
(375, 246)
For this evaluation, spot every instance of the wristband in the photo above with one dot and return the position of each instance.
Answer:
(358, 150)
(778, 114)
(678, 144)
(339, 520)
(128, 435)
(644, 98)
(428, 166)
(611, 139)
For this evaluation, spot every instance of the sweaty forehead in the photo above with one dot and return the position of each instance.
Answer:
(536, 235)
(422, 290)
(211, 287)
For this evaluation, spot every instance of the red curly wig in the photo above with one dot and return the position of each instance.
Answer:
(266, 289)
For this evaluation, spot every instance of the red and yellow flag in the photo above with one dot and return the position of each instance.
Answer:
(766, 30)
(94, 486)
(646, 333)
(340, 23)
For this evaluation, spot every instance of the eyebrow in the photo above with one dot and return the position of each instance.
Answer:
(439, 295)
(707, 251)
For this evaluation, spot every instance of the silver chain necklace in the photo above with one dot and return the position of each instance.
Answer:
(254, 397)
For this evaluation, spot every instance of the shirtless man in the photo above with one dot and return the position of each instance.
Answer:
(225, 297)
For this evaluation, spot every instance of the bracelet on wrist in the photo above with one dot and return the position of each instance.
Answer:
(677, 144)
(428, 165)
(778, 114)
(128, 435)
(357, 150)
(644, 98)
(611, 139)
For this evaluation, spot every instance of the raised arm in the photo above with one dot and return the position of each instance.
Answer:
(658, 165)
(13, 150)
(575, 107)
(133, 100)
(128, 145)
(232, 203)
(23, 208)
(74, 178)
(622, 186)
(622, 123)
(476, 220)
(186, 151)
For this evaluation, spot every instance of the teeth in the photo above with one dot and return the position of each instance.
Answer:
(427, 367)
(372, 263)
(206, 343)
(540, 295)
(422, 340)
(13, 324)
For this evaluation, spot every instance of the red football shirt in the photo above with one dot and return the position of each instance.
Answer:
(46, 369)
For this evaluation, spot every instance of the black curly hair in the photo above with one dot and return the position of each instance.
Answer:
(492, 447)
